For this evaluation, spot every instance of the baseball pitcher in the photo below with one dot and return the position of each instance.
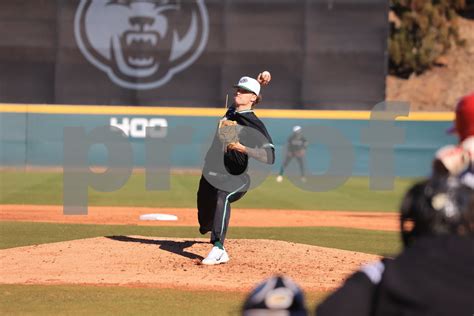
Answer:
(240, 135)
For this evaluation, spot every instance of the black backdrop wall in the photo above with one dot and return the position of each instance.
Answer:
(323, 54)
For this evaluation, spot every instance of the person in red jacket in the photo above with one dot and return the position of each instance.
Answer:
(458, 160)
(464, 122)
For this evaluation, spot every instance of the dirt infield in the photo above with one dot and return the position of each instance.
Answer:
(174, 263)
(188, 217)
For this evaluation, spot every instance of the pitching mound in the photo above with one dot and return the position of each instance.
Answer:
(174, 263)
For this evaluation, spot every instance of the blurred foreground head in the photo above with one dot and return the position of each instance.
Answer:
(277, 295)
(464, 121)
(438, 206)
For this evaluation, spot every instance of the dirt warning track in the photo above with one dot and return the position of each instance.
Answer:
(188, 217)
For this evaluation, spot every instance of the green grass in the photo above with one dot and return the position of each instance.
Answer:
(85, 300)
(16, 234)
(46, 188)
(89, 300)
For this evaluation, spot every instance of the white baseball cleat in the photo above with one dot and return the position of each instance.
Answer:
(279, 179)
(216, 256)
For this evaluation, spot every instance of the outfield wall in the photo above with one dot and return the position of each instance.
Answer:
(32, 135)
(322, 54)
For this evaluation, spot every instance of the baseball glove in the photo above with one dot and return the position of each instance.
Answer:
(228, 133)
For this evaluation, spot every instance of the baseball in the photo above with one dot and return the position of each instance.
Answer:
(264, 77)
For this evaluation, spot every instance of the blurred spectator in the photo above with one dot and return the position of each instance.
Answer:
(458, 160)
(295, 148)
(277, 295)
(434, 274)
(464, 121)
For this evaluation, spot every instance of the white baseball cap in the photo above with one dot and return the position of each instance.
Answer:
(296, 128)
(249, 84)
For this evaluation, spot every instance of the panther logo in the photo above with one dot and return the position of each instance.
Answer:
(141, 44)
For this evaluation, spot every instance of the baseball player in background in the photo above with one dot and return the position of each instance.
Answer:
(295, 148)
(458, 160)
(224, 177)
(434, 273)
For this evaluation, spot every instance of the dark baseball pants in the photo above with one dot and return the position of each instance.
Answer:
(287, 161)
(214, 207)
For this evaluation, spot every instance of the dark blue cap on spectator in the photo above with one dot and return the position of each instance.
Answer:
(277, 295)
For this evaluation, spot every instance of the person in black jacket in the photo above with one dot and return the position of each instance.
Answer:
(224, 178)
(434, 274)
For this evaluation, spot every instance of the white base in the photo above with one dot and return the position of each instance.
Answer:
(158, 217)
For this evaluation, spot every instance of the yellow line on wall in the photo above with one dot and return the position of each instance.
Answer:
(214, 112)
